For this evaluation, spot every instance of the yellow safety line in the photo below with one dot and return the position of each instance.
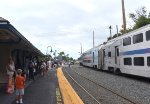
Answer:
(68, 93)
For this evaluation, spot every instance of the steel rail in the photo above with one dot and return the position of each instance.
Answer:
(82, 88)
(112, 91)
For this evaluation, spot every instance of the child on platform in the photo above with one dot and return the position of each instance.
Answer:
(20, 82)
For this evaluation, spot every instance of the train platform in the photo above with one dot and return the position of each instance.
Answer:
(51, 89)
(68, 93)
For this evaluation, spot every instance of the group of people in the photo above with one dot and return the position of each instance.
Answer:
(17, 77)
(18, 81)
(43, 66)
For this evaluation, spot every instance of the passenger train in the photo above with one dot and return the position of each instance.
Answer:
(129, 53)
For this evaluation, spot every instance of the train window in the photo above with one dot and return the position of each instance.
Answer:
(128, 61)
(109, 54)
(148, 61)
(138, 38)
(93, 57)
(88, 61)
(139, 61)
(117, 51)
(148, 35)
(104, 52)
(126, 41)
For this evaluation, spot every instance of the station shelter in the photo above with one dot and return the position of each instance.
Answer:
(14, 44)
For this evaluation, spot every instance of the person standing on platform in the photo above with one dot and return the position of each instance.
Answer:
(47, 66)
(31, 70)
(10, 67)
(69, 63)
(43, 68)
(20, 83)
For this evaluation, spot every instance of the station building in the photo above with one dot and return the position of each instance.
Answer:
(14, 44)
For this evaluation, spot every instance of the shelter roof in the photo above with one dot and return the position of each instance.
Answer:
(10, 35)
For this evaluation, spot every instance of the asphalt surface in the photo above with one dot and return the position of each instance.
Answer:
(44, 90)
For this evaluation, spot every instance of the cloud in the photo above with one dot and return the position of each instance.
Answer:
(64, 24)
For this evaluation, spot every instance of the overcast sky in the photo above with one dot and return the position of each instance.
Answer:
(65, 24)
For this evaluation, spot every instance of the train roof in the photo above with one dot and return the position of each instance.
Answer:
(120, 37)
(96, 47)
(129, 33)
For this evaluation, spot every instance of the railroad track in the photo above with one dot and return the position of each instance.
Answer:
(132, 101)
(83, 88)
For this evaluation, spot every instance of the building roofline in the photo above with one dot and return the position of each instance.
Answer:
(5, 24)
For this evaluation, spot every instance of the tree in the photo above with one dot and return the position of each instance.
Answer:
(128, 30)
(109, 38)
(48, 57)
(71, 58)
(65, 57)
(114, 36)
(140, 18)
(61, 53)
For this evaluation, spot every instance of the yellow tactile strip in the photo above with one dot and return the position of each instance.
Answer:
(68, 93)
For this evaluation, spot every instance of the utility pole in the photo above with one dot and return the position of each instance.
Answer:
(117, 29)
(93, 39)
(81, 48)
(124, 17)
(110, 31)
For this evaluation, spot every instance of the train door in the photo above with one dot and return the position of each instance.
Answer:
(93, 60)
(93, 57)
(117, 62)
(99, 59)
(103, 59)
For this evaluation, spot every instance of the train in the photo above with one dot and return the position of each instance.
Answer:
(128, 53)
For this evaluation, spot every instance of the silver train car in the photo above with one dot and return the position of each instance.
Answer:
(129, 53)
(90, 57)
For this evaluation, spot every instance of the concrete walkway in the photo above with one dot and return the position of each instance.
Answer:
(6, 98)
(44, 90)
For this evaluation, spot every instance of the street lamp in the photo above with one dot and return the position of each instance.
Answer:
(55, 53)
(47, 49)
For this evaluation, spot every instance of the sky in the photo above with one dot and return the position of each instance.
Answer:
(65, 25)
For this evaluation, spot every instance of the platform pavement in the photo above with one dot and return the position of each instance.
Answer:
(6, 98)
(45, 90)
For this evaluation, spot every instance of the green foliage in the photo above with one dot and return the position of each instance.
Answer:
(104, 42)
(140, 18)
(114, 36)
(141, 21)
(45, 57)
(48, 57)
(61, 53)
(127, 30)
(71, 58)
(109, 38)
(65, 57)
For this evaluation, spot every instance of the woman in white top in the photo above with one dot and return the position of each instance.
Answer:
(43, 68)
(10, 67)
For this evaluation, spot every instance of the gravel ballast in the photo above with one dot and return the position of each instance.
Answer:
(134, 89)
